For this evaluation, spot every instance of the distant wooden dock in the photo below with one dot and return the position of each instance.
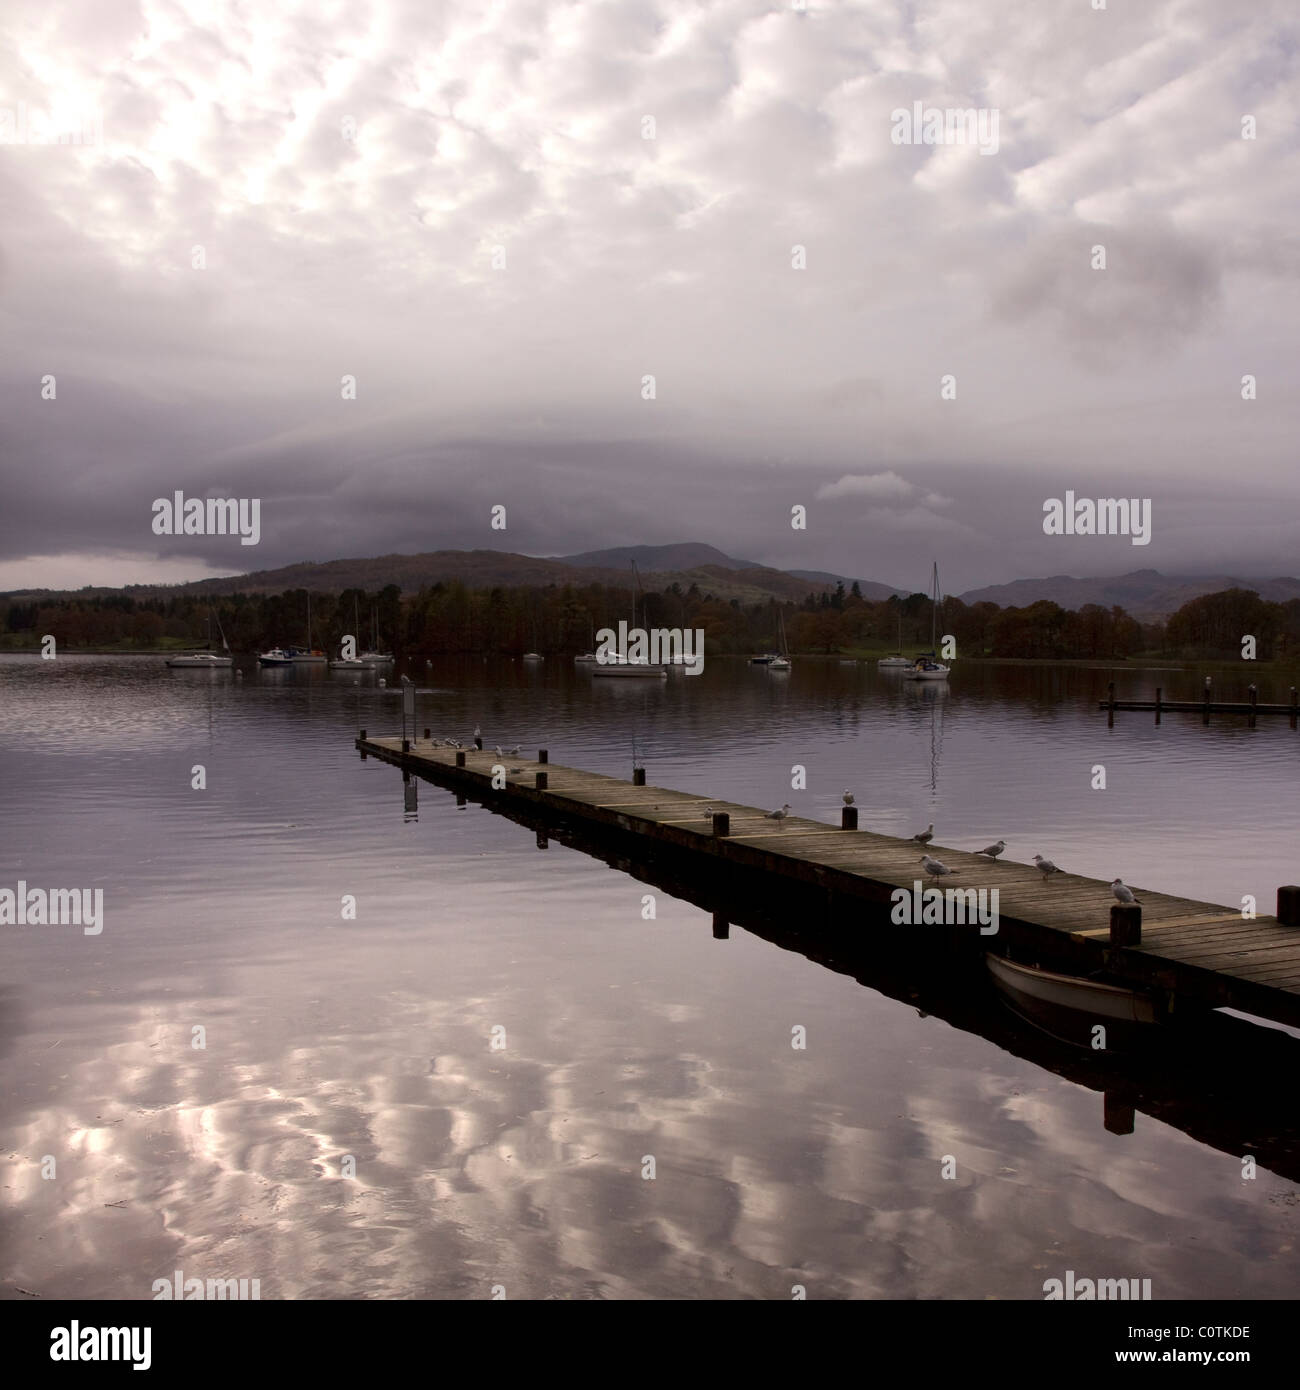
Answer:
(1205, 707)
(1190, 952)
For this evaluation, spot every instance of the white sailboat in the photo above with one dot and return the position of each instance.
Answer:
(928, 667)
(898, 661)
(782, 662)
(208, 660)
(375, 657)
(620, 664)
(308, 655)
(353, 663)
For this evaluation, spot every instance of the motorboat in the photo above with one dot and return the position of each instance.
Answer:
(206, 660)
(766, 659)
(276, 656)
(200, 660)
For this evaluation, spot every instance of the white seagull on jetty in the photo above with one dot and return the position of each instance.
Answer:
(778, 815)
(708, 813)
(926, 835)
(993, 850)
(848, 797)
(1046, 867)
(1123, 893)
(936, 868)
(498, 752)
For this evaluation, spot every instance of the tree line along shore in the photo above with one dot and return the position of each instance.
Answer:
(449, 618)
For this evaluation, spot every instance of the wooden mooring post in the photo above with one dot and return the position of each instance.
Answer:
(1294, 710)
(849, 818)
(1159, 693)
(1110, 703)
(1254, 702)
(1288, 905)
(638, 777)
(1205, 711)
(721, 824)
(1126, 924)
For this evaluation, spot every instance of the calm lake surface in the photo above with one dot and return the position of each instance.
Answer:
(624, 1037)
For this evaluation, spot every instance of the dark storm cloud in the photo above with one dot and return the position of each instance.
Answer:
(346, 180)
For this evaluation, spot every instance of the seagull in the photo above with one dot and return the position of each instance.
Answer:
(935, 867)
(926, 835)
(478, 733)
(993, 850)
(1046, 867)
(778, 815)
(498, 751)
(708, 813)
(514, 752)
(847, 797)
(1123, 893)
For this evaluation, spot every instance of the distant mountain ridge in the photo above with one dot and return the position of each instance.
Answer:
(1144, 594)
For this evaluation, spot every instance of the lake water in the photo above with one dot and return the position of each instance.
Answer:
(522, 1165)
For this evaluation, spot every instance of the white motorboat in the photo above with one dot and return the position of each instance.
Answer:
(205, 660)
(276, 656)
(200, 660)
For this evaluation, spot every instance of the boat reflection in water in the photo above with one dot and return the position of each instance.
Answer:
(1219, 1077)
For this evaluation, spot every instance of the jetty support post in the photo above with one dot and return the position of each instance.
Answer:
(1288, 905)
(1159, 693)
(1117, 1112)
(543, 756)
(1126, 924)
(721, 927)
(1205, 705)
(406, 745)
(541, 781)
(638, 777)
(849, 818)
(460, 757)
(1110, 705)
(1294, 709)
(1254, 701)
(428, 734)
(721, 825)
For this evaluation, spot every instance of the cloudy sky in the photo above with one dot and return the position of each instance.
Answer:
(458, 206)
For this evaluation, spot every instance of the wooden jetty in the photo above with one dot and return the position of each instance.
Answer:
(1189, 952)
(1205, 707)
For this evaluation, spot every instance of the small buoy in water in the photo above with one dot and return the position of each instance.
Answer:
(382, 682)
